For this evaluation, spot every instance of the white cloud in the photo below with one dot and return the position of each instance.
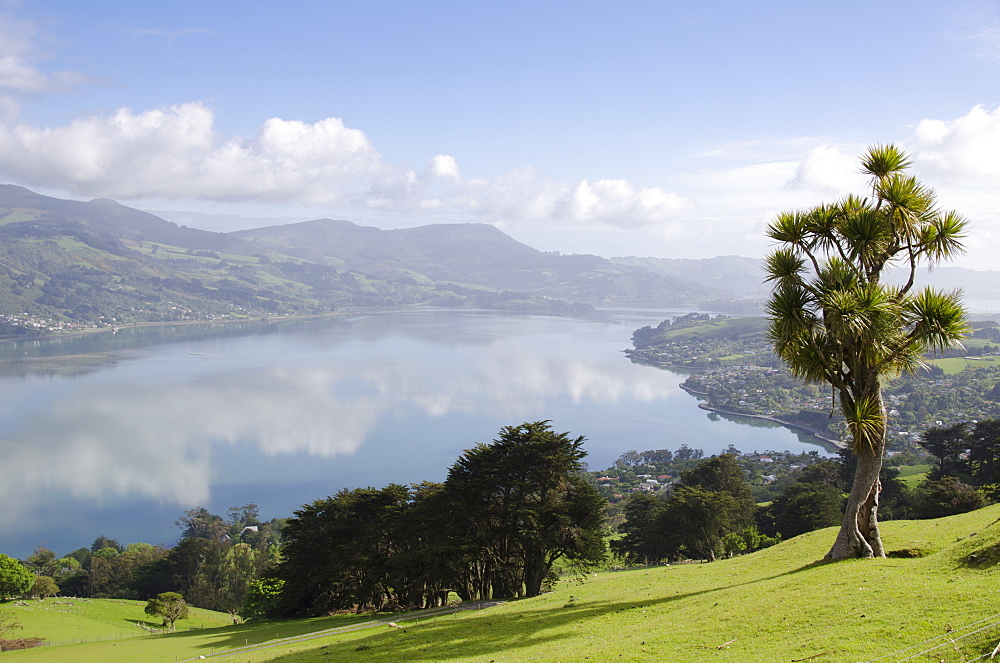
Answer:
(174, 153)
(617, 202)
(827, 169)
(964, 149)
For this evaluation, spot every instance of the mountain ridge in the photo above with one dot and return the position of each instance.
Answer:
(100, 262)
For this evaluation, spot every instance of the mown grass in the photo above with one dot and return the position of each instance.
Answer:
(779, 604)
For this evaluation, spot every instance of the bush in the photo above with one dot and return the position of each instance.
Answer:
(947, 496)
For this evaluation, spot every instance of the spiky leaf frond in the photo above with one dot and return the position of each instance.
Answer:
(938, 319)
(790, 311)
(883, 160)
(867, 236)
(942, 236)
(866, 421)
(783, 265)
(789, 228)
(836, 275)
(908, 201)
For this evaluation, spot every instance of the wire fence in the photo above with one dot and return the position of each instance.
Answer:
(976, 641)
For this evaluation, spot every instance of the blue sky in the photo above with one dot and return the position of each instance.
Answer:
(670, 129)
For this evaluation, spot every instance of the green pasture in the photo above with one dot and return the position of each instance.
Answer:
(727, 327)
(107, 630)
(935, 599)
(954, 365)
(912, 475)
(780, 604)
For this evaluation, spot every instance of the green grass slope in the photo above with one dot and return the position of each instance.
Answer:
(71, 621)
(779, 604)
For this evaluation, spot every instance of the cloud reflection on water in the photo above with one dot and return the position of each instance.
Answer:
(105, 439)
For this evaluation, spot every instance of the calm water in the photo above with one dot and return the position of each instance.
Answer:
(119, 433)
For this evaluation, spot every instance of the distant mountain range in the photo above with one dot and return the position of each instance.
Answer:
(102, 263)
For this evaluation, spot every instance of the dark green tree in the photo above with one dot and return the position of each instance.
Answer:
(337, 551)
(833, 320)
(723, 474)
(713, 500)
(104, 541)
(642, 541)
(824, 471)
(947, 496)
(984, 456)
(520, 505)
(425, 563)
(696, 520)
(199, 523)
(804, 507)
(947, 444)
(42, 561)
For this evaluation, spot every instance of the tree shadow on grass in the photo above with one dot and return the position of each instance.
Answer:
(447, 637)
(214, 639)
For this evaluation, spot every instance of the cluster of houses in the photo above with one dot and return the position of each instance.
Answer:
(765, 467)
(24, 323)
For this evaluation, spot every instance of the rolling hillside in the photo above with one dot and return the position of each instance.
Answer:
(934, 599)
(99, 263)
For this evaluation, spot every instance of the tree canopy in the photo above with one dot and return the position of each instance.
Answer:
(520, 505)
(506, 513)
(15, 579)
(170, 606)
(835, 320)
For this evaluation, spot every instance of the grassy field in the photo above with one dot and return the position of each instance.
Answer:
(71, 620)
(727, 327)
(912, 475)
(954, 365)
(779, 604)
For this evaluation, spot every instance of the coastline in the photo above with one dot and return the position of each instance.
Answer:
(86, 331)
(781, 422)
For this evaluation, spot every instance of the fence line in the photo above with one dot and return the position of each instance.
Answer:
(950, 638)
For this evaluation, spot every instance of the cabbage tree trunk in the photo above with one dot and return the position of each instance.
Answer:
(859, 533)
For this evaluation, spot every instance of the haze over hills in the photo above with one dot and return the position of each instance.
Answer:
(743, 278)
(102, 263)
(99, 262)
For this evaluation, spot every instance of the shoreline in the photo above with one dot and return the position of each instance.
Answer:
(781, 422)
(167, 323)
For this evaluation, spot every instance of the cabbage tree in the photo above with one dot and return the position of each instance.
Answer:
(835, 319)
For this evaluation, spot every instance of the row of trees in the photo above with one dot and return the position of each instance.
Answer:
(711, 511)
(214, 564)
(969, 451)
(494, 529)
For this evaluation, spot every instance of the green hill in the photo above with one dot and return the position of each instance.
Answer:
(66, 263)
(934, 600)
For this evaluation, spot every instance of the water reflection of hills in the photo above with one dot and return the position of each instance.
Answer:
(350, 401)
(80, 354)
